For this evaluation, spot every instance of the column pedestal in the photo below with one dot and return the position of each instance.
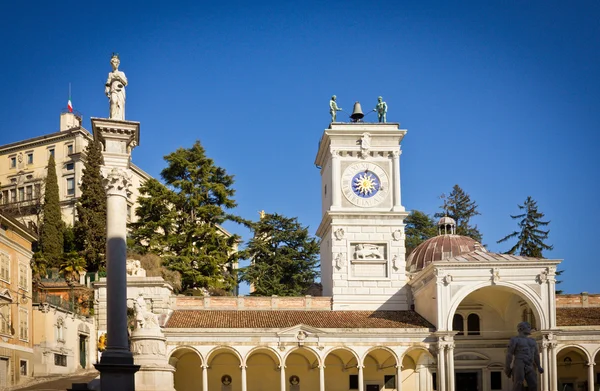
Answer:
(149, 347)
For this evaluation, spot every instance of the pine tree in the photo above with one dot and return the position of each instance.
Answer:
(419, 228)
(284, 257)
(182, 220)
(90, 227)
(530, 238)
(459, 206)
(52, 226)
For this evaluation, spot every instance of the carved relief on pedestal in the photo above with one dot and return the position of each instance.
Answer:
(367, 251)
(148, 347)
(117, 181)
(369, 260)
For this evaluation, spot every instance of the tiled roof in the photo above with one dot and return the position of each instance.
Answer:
(589, 316)
(284, 319)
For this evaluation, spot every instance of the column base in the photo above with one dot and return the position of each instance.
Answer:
(117, 376)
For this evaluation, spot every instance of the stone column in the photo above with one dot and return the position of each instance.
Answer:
(441, 368)
(244, 385)
(553, 367)
(336, 190)
(282, 378)
(117, 139)
(361, 385)
(321, 377)
(545, 366)
(450, 366)
(591, 376)
(398, 377)
(204, 377)
(396, 179)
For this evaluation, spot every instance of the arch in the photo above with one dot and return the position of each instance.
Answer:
(254, 350)
(471, 353)
(380, 348)
(525, 293)
(302, 348)
(347, 349)
(183, 349)
(415, 348)
(458, 324)
(473, 324)
(216, 349)
(596, 354)
(575, 346)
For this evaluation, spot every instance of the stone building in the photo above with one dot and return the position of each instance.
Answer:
(439, 320)
(23, 167)
(16, 344)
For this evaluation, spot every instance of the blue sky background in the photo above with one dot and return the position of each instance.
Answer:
(501, 98)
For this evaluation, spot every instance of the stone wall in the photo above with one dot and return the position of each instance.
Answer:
(253, 303)
(582, 299)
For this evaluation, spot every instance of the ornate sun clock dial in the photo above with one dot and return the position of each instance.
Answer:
(365, 184)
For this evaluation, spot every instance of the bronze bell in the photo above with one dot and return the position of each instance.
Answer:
(357, 114)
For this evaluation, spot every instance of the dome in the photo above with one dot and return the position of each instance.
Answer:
(440, 248)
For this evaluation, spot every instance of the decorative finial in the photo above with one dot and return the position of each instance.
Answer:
(262, 214)
(446, 226)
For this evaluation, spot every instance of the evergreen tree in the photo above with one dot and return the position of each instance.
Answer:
(284, 257)
(419, 228)
(52, 225)
(90, 227)
(459, 206)
(182, 220)
(530, 238)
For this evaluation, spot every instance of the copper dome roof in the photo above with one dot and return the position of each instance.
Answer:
(440, 248)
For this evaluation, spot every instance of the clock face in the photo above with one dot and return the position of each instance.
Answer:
(365, 184)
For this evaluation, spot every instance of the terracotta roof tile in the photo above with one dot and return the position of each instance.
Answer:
(284, 319)
(578, 316)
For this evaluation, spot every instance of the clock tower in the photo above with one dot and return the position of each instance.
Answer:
(362, 228)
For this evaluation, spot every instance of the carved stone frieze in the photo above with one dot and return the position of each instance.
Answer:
(339, 233)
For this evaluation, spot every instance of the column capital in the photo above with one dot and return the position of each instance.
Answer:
(590, 364)
(243, 367)
(205, 366)
(322, 366)
(117, 181)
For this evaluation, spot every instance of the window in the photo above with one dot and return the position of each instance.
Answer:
(69, 149)
(5, 318)
(50, 152)
(23, 324)
(71, 186)
(389, 381)
(21, 193)
(38, 190)
(60, 360)
(353, 382)
(473, 324)
(458, 324)
(13, 195)
(70, 166)
(29, 192)
(5, 196)
(13, 162)
(496, 380)
(30, 158)
(23, 280)
(434, 381)
(23, 367)
(4, 267)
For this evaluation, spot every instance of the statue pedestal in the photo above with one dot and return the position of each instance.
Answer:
(149, 349)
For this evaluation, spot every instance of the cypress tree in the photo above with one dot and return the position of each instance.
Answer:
(52, 225)
(90, 227)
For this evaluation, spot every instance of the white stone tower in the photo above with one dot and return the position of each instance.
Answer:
(362, 229)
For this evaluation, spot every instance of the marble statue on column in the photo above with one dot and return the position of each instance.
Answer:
(115, 90)
(524, 356)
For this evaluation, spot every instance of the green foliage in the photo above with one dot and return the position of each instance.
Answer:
(52, 226)
(90, 227)
(530, 238)
(181, 221)
(419, 227)
(284, 257)
(72, 265)
(153, 266)
(459, 206)
(39, 267)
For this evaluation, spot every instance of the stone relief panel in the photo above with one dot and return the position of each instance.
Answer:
(369, 260)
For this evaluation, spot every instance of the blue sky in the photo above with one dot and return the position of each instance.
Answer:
(501, 98)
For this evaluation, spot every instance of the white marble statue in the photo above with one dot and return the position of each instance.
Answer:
(525, 358)
(115, 90)
(144, 318)
(134, 268)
